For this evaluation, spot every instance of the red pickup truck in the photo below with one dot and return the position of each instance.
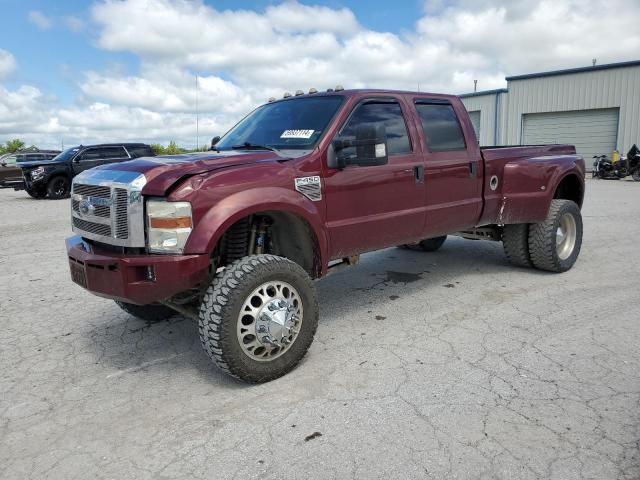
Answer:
(301, 186)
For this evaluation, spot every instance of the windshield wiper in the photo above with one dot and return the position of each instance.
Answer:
(253, 146)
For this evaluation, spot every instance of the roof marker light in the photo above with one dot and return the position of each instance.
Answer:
(339, 88)
(312, 91)
(299, 92)
(272, 99)
(286, 95)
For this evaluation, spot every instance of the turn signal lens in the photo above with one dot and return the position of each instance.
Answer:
(175, 222)
(169, 225)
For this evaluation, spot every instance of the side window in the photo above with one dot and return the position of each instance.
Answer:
(142, 151)
(387, 113)
(113, 152)
(441, 128)
(35, 156)
(89, 155)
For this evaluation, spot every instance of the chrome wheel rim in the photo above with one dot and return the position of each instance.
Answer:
(566, 236)
(269, 321)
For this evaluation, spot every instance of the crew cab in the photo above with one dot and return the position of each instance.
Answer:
(51, 177)
(300, 187)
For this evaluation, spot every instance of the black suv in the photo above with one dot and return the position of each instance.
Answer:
(52, 178)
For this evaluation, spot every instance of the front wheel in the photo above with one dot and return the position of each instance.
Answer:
(554, 244)
(636, 176)
(58, 187)
(258, 317)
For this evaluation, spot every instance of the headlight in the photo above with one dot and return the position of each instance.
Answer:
(169, 225)
(37, 173)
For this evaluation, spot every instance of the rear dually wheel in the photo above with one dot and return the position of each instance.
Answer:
(554, 244)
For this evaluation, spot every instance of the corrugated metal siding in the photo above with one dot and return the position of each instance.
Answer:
(486, 105)
(613, 88)
(475, 120)
(593, 132)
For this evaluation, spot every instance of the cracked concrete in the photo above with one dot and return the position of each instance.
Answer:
(450, 364)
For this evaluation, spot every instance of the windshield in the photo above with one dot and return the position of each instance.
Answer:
(295, 124)
(9, 159)
(66, 155)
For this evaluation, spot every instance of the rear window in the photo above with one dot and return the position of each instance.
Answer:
(441, 128)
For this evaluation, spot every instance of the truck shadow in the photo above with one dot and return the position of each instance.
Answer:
(129, 345)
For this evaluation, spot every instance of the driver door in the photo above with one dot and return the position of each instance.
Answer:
(372, 207)
(89, 158)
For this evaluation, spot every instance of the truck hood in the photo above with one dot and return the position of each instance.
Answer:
(164, 171)
(38, 163)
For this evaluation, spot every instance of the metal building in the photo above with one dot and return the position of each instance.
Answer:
(595, 108)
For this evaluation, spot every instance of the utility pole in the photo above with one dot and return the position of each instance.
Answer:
(197, 118)
(594, 60)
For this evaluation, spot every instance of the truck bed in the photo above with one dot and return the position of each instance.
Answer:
(523, 174)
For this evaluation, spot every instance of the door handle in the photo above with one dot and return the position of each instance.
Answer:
(418, 172)
(473, 169)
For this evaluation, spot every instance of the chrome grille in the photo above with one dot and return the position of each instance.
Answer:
(122, 221)
(107, 205)
(99, 210)
(92, 190)
(91, 227)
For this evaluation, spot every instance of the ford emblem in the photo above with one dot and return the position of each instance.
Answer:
(86, 207)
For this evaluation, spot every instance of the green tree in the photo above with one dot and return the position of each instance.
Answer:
(173, 149)
(13, 145)
(158, 149)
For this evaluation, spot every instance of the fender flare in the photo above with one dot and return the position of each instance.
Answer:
(526, 197)
(229, 210)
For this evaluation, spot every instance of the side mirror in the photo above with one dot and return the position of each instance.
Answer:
(214, 141)
(370, 148)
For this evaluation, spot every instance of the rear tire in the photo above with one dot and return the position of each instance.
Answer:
(515, 241)
(554, 244)
(432, 244)
(58, 187)
(253, 301)
(148, 313)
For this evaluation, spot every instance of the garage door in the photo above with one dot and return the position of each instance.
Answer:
(475, 119)
(593, 132)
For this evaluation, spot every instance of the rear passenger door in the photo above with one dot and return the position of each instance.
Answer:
(453, 169)
(114, 154)
(371, 207)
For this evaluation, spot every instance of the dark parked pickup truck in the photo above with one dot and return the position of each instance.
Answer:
(51, 177)
(298, 188)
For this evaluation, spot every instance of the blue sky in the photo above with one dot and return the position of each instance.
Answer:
(106, 70)
(51, 58)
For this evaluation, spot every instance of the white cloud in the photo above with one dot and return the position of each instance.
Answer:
(7, 63)
(243, 57)
(39, 19)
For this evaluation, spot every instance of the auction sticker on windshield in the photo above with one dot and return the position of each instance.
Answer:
(297, 134)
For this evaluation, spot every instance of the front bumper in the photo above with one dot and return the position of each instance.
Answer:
(15, 183)
(126, 277)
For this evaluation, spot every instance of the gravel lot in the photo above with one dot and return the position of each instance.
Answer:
(444, 365)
